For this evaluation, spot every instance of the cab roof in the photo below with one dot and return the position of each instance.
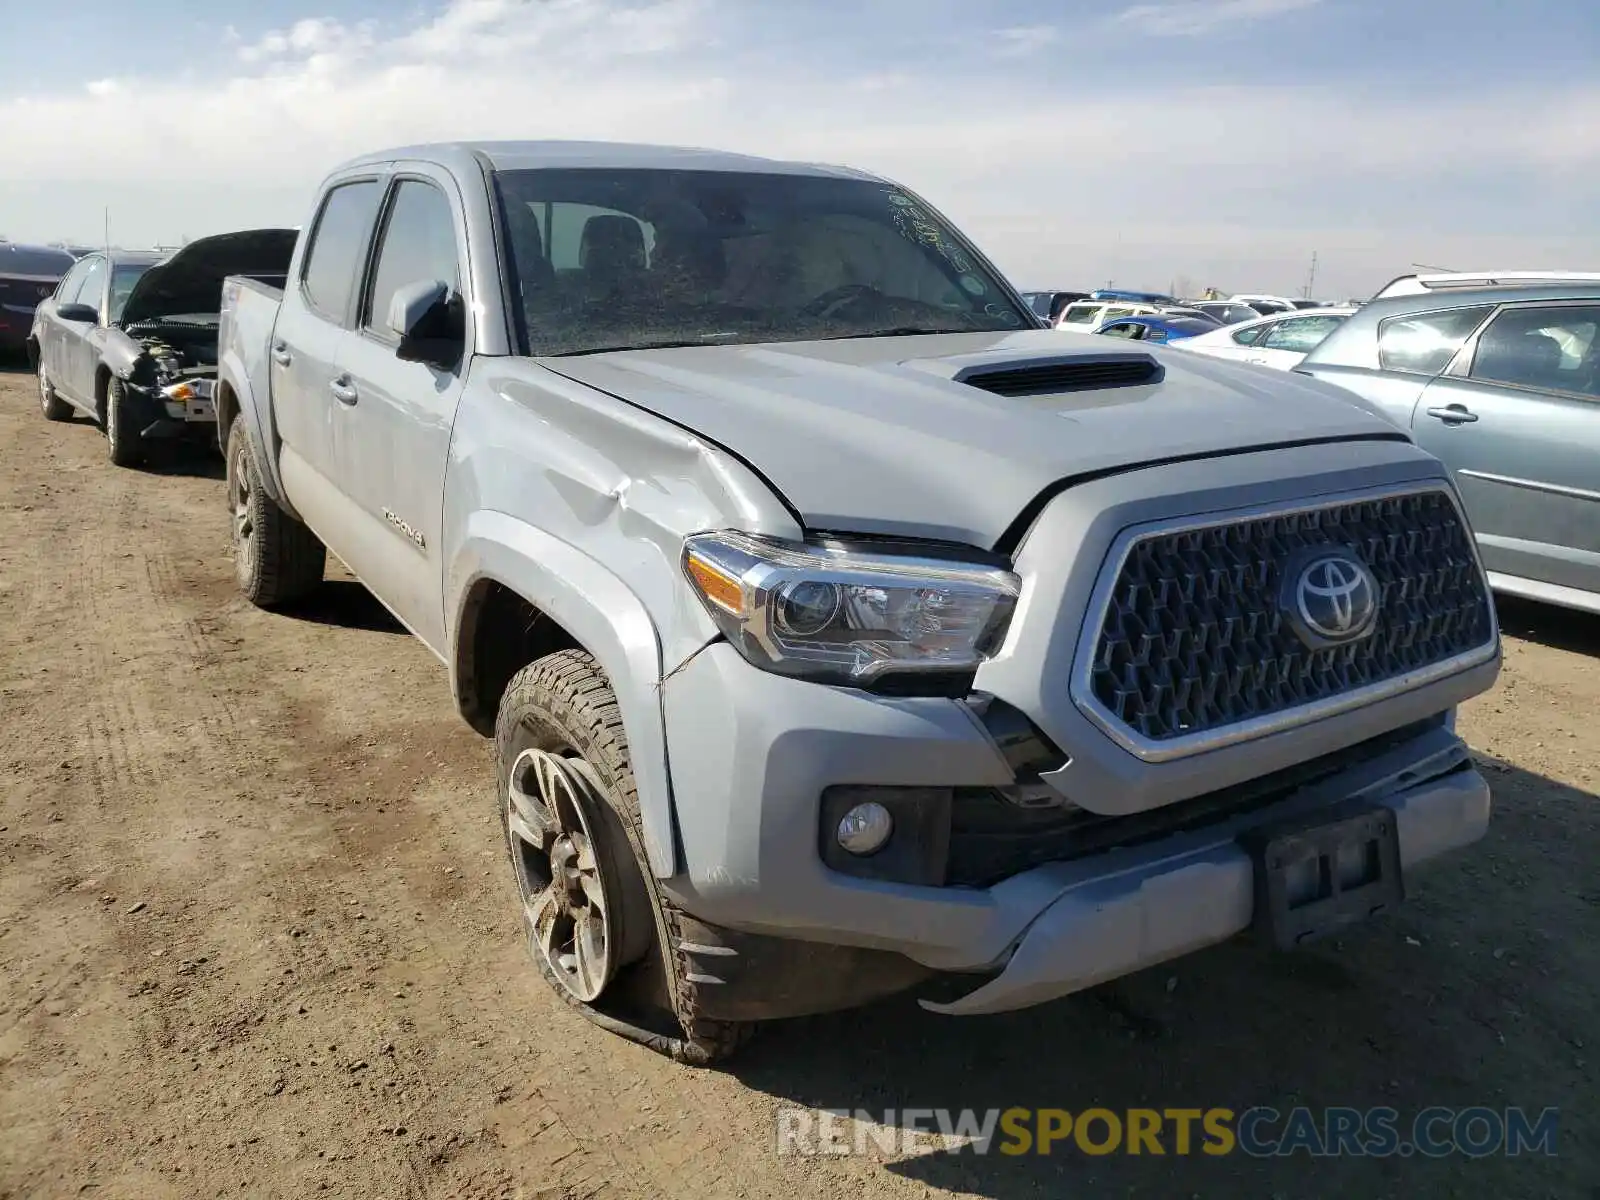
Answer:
(533, 155)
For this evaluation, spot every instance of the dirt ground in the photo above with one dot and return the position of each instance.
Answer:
(257, 937)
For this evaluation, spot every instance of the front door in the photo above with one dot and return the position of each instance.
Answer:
(84, 341)
(1517, 420)
(400, 413)
(53, 330)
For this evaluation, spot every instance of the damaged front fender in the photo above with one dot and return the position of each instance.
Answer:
(606, 618)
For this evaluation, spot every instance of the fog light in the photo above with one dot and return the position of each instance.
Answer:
(865, 828)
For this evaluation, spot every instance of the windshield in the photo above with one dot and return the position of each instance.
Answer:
(123, 277)
(630, 259)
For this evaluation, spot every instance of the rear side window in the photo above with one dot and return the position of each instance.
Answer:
(419, 246)
(1425, 344)
(337, 246)
(1080, 314)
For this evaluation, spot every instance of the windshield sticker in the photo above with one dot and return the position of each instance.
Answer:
(914, 224)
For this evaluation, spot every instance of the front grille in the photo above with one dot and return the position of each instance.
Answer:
(1066, 375)
(1194, 638)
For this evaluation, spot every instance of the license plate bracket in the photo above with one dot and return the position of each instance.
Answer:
(1322, 873)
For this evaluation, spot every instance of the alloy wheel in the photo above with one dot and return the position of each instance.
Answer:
(551, 809)
(241, 485)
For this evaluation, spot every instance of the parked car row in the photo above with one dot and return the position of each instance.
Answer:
(837, 626)
(129, 339)
(28, 274)
(1503, 385)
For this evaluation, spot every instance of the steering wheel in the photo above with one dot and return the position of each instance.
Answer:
(832, 300)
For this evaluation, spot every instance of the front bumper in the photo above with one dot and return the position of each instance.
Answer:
(752, 753)
(163, 418)
(1179, 899)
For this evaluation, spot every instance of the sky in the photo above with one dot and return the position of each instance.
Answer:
(1197, 143)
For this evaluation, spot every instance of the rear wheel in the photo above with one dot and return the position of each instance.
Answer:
(595, 921)
(123, 442)
(53, 406)
(276, 559)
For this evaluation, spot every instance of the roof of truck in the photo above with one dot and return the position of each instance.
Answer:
(519, 156)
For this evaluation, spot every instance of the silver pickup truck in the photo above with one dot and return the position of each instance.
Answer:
(841, 631)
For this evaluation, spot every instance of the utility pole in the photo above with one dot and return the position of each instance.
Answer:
(108, 227)
(1311, 283)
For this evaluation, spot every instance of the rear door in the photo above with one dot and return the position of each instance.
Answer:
(400, 413)
(1517, 420)
(317, 311)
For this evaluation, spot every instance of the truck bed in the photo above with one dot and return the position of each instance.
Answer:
(244, 338)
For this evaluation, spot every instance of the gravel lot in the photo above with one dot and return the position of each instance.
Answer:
(256, 937)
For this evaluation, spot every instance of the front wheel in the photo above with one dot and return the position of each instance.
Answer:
(276, 559)
(123, 442)
(596, 923)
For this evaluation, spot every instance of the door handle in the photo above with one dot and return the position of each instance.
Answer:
(1453, 414)
(343, 390)
(281, 355)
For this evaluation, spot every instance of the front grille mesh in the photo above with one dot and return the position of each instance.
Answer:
(1194, 639)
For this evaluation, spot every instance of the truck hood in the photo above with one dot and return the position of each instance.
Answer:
(909, 436)
(191, 280)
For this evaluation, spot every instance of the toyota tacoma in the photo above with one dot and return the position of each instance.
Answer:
(840, 631)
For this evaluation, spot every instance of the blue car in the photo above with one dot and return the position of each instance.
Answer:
(1158, 328)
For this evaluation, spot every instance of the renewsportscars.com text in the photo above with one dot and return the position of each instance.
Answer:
(1259, 1132)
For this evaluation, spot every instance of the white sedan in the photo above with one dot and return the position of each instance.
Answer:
(1279, 341)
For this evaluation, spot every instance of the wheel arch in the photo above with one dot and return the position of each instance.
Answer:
(515, 594)
(236, 400)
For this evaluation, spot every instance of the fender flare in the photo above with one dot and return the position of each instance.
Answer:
(232, 375)
(606, 618)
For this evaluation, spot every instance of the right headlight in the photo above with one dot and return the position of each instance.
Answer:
(848, 616)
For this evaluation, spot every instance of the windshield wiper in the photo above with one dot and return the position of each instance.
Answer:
(900, 331)
(720, 338)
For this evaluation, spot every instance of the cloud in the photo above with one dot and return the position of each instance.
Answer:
(1194, 18)
(1058, 192)
(1022, 40)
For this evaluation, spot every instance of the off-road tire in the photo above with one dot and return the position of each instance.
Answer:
(123, 443)
(276, 559)
(564, 703)
(52, 405)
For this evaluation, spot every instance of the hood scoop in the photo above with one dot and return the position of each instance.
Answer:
(1052, 377)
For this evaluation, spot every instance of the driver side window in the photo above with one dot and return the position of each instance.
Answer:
(67, 289)
(418, 245)
(92, 290)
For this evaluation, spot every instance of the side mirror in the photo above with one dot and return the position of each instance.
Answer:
(79, 313)
(430, 321)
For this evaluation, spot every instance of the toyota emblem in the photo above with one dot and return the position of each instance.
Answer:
(1331, 598)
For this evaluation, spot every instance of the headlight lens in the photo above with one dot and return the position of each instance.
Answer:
(846, 616)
